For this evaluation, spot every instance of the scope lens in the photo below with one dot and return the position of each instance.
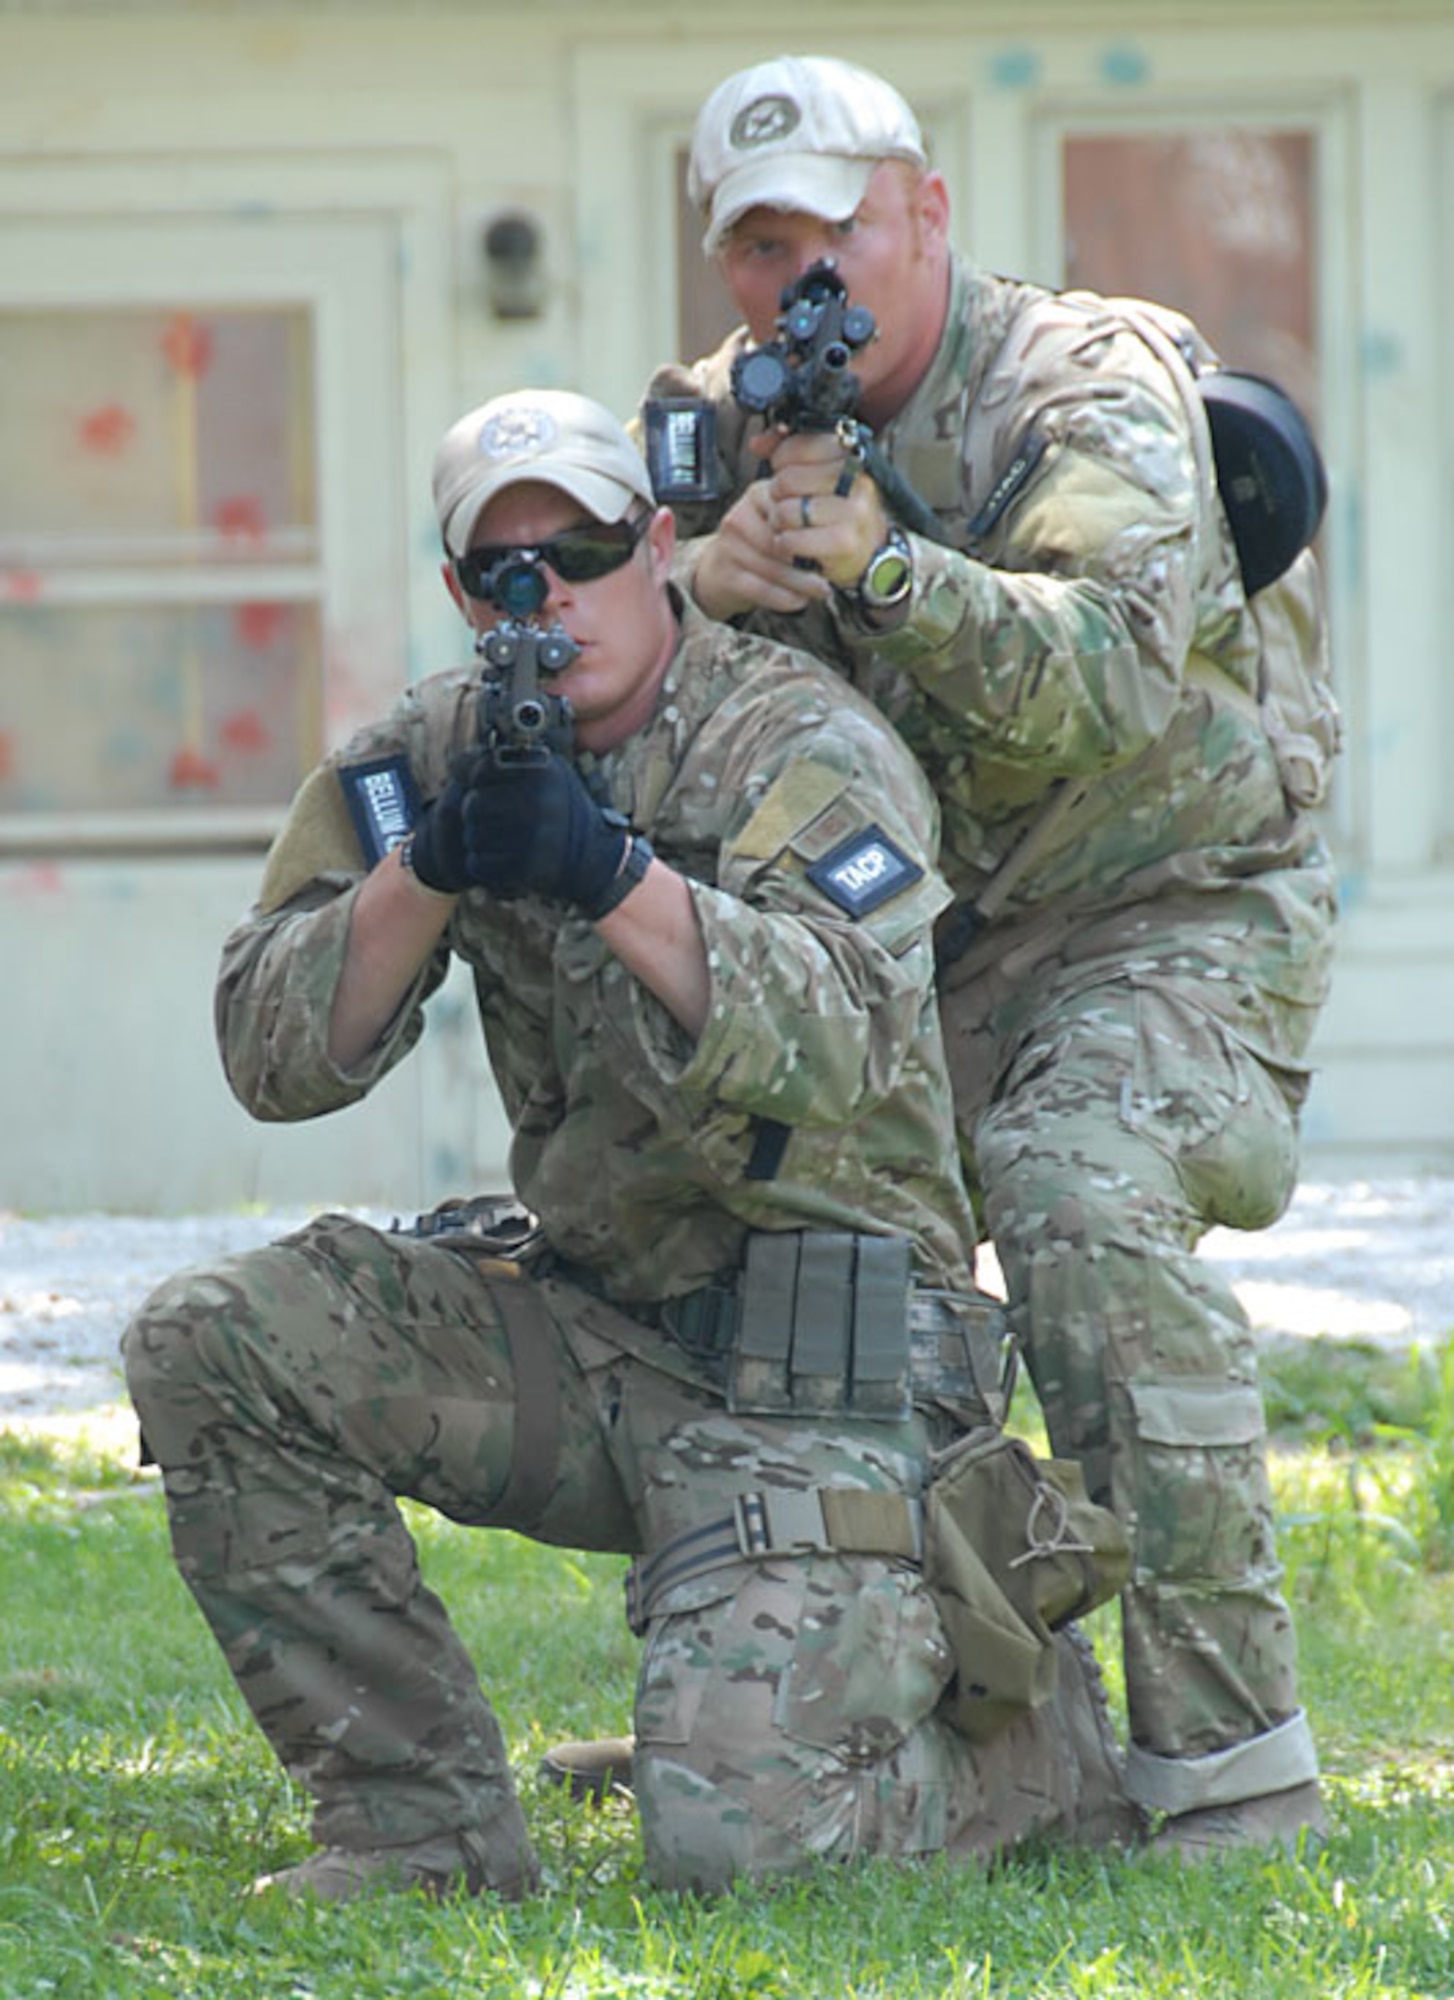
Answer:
(519, 588)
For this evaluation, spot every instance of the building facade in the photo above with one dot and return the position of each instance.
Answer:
(252, 262)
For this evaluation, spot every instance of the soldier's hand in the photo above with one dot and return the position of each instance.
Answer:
(437, 852)
(824, 509)
(745, 565)
(532, 829)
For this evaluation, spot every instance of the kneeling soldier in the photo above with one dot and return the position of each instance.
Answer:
(693, 878)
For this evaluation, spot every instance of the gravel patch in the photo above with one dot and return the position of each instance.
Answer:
(1366, 1260)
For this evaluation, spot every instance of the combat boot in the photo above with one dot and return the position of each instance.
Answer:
(473, 1860)
(1293, 1820)
(1103, 1814)
(593, 1770)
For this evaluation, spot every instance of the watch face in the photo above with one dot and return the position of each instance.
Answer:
(888, 577)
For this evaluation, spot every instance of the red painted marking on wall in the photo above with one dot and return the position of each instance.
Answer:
(191, 768)
(107, 430)
(22, 586)
(246, 730)
(258, 625)
(7, 755)
(241, 517)
(40, 878)
(188, 346)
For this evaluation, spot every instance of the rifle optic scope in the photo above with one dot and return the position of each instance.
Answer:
(551, 652)
(802, 378)
(518, 586)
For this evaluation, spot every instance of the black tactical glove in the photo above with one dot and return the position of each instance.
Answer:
(437, 848)
(532, 829)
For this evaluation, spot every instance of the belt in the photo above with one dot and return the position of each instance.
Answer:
(778, 1522)
(951, 1346)
(956, 1345)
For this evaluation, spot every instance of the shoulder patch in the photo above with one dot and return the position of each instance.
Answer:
(1011, 480)
(382, 803)
(864, 871)
(319, 838)
(792, 801)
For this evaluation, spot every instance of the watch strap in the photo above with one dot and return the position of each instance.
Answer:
(635, 861)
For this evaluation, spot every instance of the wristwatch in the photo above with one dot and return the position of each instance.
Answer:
(888, 575)
(635, 861)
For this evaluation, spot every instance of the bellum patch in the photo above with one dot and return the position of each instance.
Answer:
(382, 803)
(864, 871)
(681, 448)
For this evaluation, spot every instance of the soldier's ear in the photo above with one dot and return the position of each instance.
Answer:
(661, 540)
(931, 203)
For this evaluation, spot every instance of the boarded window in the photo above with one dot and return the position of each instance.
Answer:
(1217, 222)
(160, 581)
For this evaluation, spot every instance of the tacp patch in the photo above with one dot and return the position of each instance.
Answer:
(1011, 480)
(864, 871)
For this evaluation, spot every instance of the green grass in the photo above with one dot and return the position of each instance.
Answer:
(137, 1801)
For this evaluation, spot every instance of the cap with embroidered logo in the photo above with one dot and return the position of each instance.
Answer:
(798, 133)
(551, 435)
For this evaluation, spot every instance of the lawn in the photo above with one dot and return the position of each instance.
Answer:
(137, 1801)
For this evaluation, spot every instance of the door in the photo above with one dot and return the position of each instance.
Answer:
(206, 580)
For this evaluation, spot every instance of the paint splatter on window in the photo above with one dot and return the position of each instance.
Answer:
(155, 458)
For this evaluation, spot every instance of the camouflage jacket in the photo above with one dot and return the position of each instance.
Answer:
(1081, 625)
(629, 1141)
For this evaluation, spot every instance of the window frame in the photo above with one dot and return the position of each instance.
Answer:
(334, 239)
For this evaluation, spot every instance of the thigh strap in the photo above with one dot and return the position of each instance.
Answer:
(535, 1364)
(776, 1523)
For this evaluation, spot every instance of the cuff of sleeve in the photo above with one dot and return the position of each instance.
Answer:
(402, 1031)
(695, 1068)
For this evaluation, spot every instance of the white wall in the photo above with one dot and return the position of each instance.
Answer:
(422, 126)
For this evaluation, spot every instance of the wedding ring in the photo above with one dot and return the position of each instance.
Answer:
(805, 508)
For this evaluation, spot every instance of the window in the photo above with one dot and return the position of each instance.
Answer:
(160, 570)
(1217, 222)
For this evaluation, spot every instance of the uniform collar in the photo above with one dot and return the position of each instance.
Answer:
(924, 440)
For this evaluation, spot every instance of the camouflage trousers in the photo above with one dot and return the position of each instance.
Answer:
(785, 1710)
(1109, 1117)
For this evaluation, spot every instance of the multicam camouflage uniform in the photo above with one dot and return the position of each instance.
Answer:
(786, 1707)
(1128, 1036)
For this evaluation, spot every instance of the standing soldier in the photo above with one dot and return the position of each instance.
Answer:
(1125, 732)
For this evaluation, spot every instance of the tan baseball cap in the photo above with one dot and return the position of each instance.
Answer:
(799, 132)
(552, 435)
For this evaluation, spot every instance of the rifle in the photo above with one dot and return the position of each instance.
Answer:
(803, 381)
(521, 721)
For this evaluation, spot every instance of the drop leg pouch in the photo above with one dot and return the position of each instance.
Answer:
(1013, 1549)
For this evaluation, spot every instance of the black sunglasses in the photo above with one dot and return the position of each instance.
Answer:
(577, 555)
